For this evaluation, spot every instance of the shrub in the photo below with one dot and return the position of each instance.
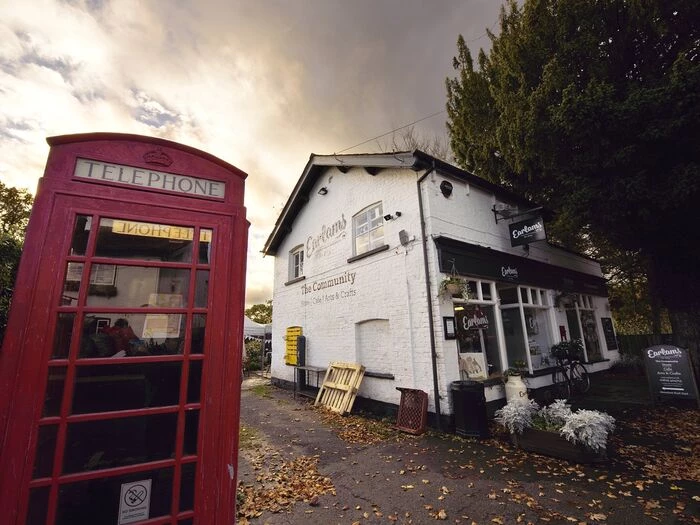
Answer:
(589, 428)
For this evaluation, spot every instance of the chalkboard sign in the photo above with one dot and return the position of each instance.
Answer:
(609, 331)
(670, 373)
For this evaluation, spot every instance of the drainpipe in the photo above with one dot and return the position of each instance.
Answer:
(431, 324)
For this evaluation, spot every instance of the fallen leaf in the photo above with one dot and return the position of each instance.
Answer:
(598, 516)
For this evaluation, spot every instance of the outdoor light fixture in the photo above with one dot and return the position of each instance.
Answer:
(389, 216)
(322, 190)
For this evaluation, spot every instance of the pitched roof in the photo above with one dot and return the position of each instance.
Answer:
(372, 162)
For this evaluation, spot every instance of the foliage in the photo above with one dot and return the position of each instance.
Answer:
(589, 428)
(591, 108)
(568, 350)
(15, 207)
(519, 368)
(260, 313)
(253, 355)
(517, 415)
(453, 281)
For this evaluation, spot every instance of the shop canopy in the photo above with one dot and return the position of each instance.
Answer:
(253, 329)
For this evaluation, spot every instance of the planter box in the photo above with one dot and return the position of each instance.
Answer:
(552, 444)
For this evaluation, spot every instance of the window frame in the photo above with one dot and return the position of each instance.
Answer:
(296, 262)
(365, 213)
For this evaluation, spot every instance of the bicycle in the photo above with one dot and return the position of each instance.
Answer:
(570, 376)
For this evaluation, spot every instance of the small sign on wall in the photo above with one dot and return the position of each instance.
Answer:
(609, 331)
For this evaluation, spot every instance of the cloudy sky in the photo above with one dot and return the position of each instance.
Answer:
(261, 84)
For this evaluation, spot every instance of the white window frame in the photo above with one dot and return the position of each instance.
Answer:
(296, 262)
(362, 227)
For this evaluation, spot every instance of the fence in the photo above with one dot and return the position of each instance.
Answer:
(634, 344)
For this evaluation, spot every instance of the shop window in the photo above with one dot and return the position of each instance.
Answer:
(477, 340)
(508, 294)
(296, 262)
(368, 229)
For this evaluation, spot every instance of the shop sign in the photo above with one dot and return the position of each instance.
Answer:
(670, 373)
(163, 231)
(329, 235)
(527, 231)
(150, 179)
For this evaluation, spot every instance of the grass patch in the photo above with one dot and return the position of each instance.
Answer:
(261, 390)
(247, 437)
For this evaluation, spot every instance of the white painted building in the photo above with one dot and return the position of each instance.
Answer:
(361, 248)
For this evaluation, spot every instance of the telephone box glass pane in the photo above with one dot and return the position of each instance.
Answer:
(104, 388)
(97, 500)
(201, 295)
(45, 448)
(81, 232)
(199, 322)
(205, 237)
(63, 337)
(54, 391)
(132, 335)
(95, 445)
(195, 382)
(38, 505)
(71, 284)
(187, 483)
(191, 432)
(124, 239)
(137, 286)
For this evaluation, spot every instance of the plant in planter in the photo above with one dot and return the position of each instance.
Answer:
(518, 369)
(572, 349)
(454, 285)
(556, 430)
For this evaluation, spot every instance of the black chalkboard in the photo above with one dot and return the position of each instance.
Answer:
(670, 373)
(609, 331)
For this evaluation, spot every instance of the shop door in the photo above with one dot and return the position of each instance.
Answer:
(122, 396)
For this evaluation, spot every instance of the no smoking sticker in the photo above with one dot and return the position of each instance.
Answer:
(134, 502)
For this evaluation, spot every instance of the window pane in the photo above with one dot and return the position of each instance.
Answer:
(195, 382)
(38, 505)
(187, 485)
(508, 294)
(81, 232)
(71, 284)
(54, 391)
(103, 388)
(537, 325)
(201, 291)
(138, 286)
(64, 336)
(205, 237)
(120, 335)
(198, 332)
(191, 432)
(95, 445)
(486, 291)
(513, 331)
(97, 501)
(45, 449)
(144, 240)
(476, 333)
(524, 295)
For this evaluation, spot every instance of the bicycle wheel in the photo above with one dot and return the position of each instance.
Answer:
(560, 384)
(580, 381)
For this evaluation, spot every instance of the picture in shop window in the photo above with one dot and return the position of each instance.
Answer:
(476, 339)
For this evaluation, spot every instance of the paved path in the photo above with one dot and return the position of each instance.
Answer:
(408, 479)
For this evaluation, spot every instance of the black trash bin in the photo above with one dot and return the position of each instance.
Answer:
(469, 408)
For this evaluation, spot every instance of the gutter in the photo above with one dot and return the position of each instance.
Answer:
(431, 323)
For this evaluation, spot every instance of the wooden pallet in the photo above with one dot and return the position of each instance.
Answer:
(340, 386)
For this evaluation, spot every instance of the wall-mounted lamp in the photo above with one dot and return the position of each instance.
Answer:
(446, 188)
(389, 216)
(322, 190)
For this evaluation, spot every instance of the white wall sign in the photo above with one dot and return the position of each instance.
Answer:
(146, 178)
(134, 502)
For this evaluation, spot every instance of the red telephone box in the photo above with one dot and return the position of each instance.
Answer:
(120, 371)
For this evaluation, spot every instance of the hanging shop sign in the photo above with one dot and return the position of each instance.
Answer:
(527, 231)
(670, 373)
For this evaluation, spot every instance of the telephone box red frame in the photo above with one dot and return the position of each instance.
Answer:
(26, 356)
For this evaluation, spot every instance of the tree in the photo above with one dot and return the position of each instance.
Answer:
(15, 207)
(260, 313)
(591, 108)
